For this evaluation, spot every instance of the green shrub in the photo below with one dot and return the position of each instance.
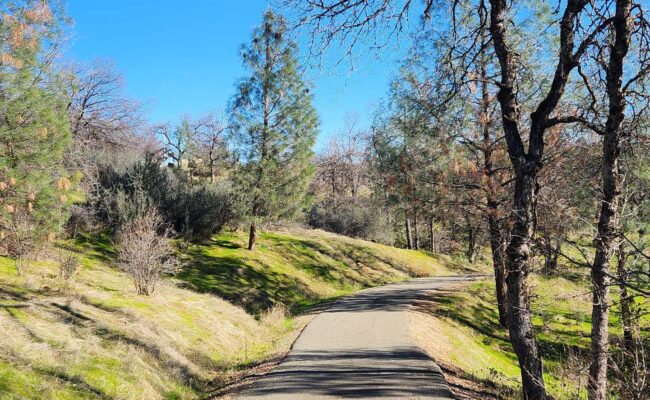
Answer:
(351, 218)
(195, 209)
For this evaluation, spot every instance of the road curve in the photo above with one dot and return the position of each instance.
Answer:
(359, 348)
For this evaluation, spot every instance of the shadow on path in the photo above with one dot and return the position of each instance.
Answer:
(404, 372)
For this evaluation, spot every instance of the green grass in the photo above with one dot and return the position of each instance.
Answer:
(96, 338)
(300, 268)
(464, 333)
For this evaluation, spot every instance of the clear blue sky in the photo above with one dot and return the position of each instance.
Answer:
(182, 57)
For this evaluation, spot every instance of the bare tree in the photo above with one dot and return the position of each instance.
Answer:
(621, 76)
(145, 252)
(98, 108)
(211, 143)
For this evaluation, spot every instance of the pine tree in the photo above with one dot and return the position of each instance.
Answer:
(34, 131)
(275, 126)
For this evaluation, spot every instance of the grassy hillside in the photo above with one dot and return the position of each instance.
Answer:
(95, 338)
(302, 267)
(460, 330)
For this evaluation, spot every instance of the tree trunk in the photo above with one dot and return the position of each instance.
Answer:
(416, 232)
(407, 226)
(497, 246)
(252, 237)
(606, 241)
(471, 243)
(19, 264)
(626, 311)
(518, 267)
(432, 236)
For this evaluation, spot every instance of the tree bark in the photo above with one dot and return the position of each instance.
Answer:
(471, 243)
(527, 163)
(497, 246)
(416, 232)
(626, 310)
(432, 237)
(606, 240)
(252, 237)
(518, 268)
(497, 239)
(407, 226)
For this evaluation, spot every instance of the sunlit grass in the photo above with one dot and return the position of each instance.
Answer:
(460, 329)
(96, 338)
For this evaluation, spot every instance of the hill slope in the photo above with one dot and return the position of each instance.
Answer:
(95, 338)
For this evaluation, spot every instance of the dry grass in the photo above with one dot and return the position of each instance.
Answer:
(94, 337)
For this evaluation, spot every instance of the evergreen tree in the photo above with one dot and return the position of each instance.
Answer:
(34, 131)
(275, 125)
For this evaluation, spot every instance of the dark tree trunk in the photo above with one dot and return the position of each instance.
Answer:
(407, 226)
(518, 268)
(432, 236)
(627, 319)
(471, 243)
(252, 237)
(527, 163)
(416, 232)
(606, 240)
(526, 167)
(497, 246)
(497, 239)
(550, 261)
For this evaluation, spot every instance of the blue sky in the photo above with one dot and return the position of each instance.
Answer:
(182, 57)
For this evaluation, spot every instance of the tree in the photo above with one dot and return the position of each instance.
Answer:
(211, 144)
(275, 126)
(34, 129)
(145, 251)
(526, 117)
(99, 111)
(622, 77)
(179, 142)
(458, 90)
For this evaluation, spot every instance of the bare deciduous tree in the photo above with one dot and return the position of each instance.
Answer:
(145, 251)
(98, 109)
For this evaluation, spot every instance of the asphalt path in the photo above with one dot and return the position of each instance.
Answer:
(359, 348)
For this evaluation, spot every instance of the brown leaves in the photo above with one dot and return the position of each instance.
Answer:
(63, 184)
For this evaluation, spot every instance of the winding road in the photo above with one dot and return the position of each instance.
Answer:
(359, 348)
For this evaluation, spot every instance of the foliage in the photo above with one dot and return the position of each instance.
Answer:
(34, 130)
(199, 211)
(195, 210)
(274, 124)
(360, 219)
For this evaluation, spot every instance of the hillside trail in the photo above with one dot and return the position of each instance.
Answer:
(359, 348)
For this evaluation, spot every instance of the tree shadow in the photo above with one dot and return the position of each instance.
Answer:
(401, 372)
(231, 278)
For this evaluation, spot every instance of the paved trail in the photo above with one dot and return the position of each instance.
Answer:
(359, 348)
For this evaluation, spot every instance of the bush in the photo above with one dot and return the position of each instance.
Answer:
(145, 252)
(354, 219)
(197, 210)
(127, 193)
(68, 265)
